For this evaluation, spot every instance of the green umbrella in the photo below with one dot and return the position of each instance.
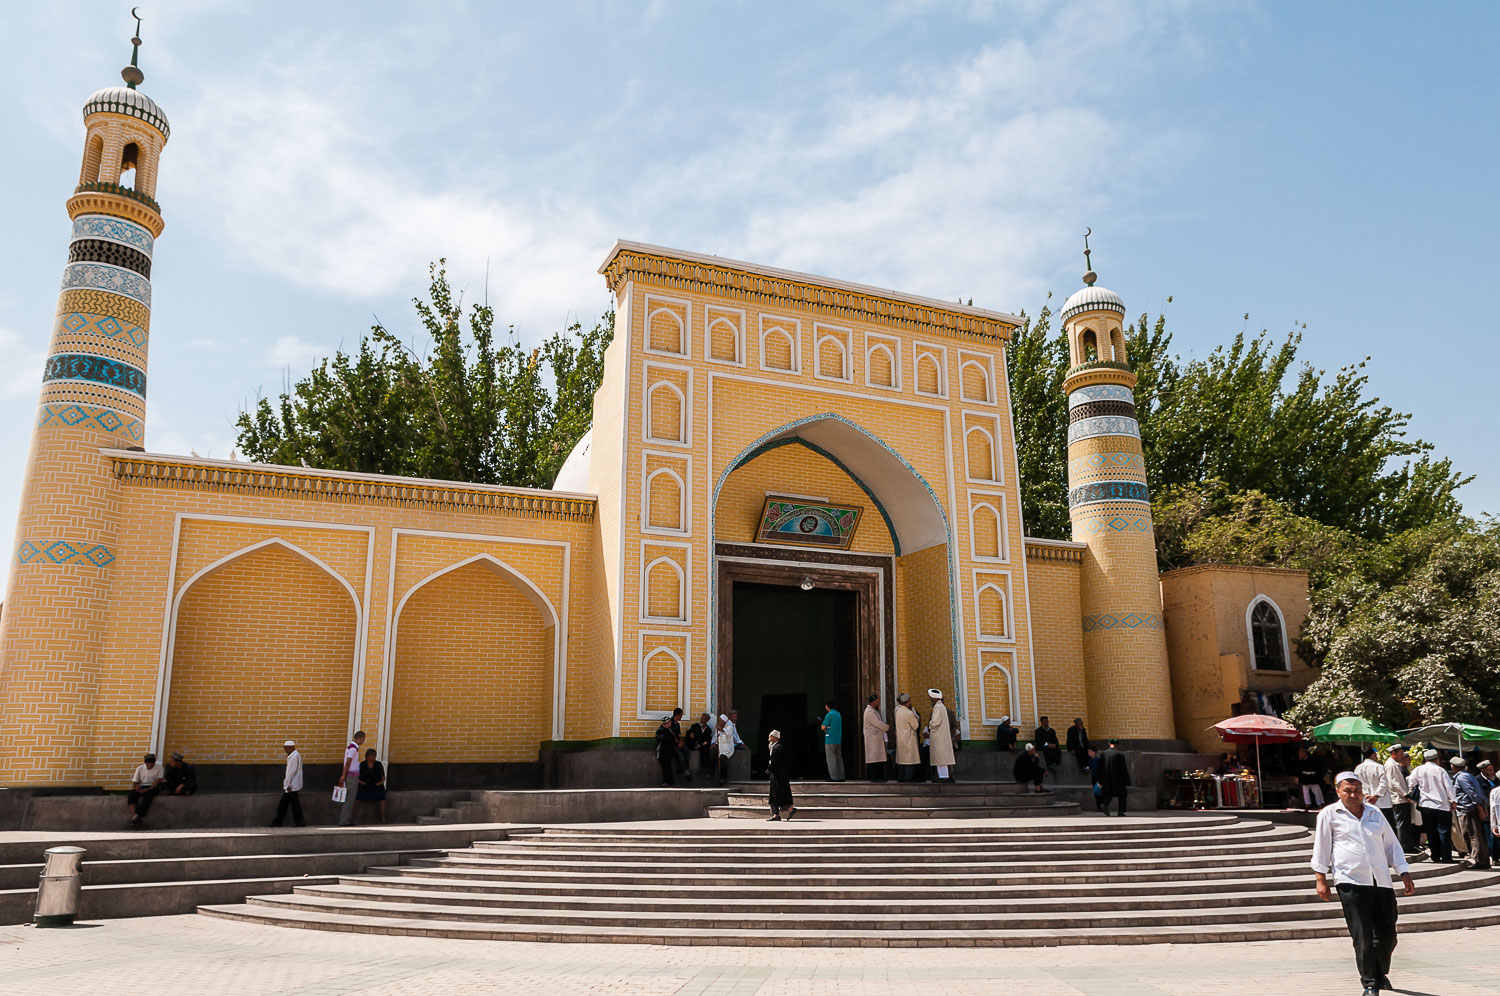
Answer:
(1354, 730)
(1453, 736)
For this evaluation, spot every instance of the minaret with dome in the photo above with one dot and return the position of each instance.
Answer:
(1124, 642)
(93, 398)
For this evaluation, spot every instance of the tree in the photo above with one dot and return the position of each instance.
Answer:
(1036, 362)
(466, 409)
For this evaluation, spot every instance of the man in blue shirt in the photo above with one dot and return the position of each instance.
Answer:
(833, 741)
(1471, 809)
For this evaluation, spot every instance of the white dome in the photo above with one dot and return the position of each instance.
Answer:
(123, 100)
(574, 475)
(1091, 299)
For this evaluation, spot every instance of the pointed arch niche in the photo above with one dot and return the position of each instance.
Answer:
(472, 667)
(263, 647)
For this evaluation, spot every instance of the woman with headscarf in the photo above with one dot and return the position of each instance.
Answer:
(779, 768)
(942, 736)
(908, 750)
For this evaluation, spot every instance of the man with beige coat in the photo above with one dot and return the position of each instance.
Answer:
(875, 730)
(908, 751)
(941, 751)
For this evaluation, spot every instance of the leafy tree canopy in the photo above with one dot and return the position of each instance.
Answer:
(468, 408)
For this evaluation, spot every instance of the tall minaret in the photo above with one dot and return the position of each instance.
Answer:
(93, 397)
(1124, 647)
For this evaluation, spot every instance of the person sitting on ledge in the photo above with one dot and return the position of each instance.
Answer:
(1029, 768)
(1006, 735)
(143, 786)
(181, 777)
(372, 782)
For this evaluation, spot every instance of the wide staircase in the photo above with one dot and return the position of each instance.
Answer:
(939, 883)
(896, 800)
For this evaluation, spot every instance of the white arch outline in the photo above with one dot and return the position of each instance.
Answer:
(999, 554)
(169, 649)
(1286, 649)
(529, 588)
(979, 612)
(682, 413)
(682, 595)
(682, 494)
(881, 347)
(994, 477)
(735, 334)
(1011, 690)
(681, 349)
(937, 368)
(640, 679)
(984, 375)
(845, 373)
(791, 348)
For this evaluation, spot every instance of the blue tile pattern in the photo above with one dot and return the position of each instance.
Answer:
(1109, 491)
(1127, 620)
(1103, 425)
(108, 326)
(97, 369)
(61, 552)
(1100, 392)
(1119, 524)
(93, 416)
(102, 226)
(104, 277)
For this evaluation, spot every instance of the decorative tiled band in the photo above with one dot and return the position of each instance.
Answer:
(102, 251)
(92, 302)
(63, 552)
(1094, 409)
(1125, 620)
(1104, 425)
(102, 226)
(1107, 461)
(61, 393)
(98, 369)
(1109, 491)
(1100, 392)
(111, 279)
(93, 417)
(1118, 524)
(107, 326)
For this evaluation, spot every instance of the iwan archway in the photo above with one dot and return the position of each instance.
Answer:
(796, 621)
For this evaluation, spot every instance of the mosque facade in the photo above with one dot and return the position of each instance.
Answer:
(795, 488)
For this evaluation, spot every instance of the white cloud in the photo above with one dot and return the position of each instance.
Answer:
(21, 359)
(299, 354)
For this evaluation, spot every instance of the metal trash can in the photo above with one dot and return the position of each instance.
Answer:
(57, 894)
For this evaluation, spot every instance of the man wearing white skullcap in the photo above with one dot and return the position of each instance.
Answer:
(1435, 800)
(1355, 846)
(941, 735)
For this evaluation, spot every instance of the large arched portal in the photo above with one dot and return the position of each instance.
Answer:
(263, 647)
(472, 676)
(800, 618)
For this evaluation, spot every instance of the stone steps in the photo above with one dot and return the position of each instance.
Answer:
(1079, 880)
(895, 800)
(758, 810)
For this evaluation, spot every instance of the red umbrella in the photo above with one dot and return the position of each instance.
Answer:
(1254, 729)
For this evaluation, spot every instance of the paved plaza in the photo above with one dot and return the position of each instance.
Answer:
(190, 955)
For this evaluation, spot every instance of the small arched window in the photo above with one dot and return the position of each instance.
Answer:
(1090, 347)
(1267, 641)
(129, 160)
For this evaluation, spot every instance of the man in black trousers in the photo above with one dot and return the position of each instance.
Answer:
(1355, 846)
(1114, 778)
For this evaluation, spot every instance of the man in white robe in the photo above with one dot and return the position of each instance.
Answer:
(941, 735)
(908, 750)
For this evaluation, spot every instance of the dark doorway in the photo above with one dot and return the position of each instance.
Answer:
(793, 649)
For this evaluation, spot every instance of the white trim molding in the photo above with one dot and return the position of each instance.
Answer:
(1286, 650)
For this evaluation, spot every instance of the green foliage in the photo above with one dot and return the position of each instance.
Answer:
(1412, 635)
(1036, 362)
(468, 409)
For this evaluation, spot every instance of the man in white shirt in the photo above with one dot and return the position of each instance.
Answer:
(349, 778)
(1398, 796)
(291, 784)
(143, 786)
(1355, 845)
(1435, 800)
(1371, 774)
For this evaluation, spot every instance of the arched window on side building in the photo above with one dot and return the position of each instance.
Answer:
(1268, 647)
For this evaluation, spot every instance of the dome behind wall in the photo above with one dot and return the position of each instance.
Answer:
(574, 475)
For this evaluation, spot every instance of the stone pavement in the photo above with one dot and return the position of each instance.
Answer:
(191, 955)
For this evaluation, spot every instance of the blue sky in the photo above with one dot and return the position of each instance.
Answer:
(1322, 163)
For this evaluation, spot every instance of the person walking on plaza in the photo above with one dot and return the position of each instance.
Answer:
(875, 730)
(1028, 767)
(1045, 738)
(349, 779)
(1371, 774)
(666, 752)
(1092, 770)
(1435, 803)
(181, 777)
(143, 787)
(291, 785)
(1471, 812)
(1114, 778)
(940, 734)
(1310, 779)
(908, 750)
(372, 782)
(1398, 798)
(728, 739)
(1355, 846)
(833, 741)
(1078, 744)
(1006, 735)
(778, 768)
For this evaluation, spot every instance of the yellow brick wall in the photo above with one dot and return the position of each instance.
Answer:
(1056, 615)
(924, 629)
(798, 470)
(264, 653)
(473, 672)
